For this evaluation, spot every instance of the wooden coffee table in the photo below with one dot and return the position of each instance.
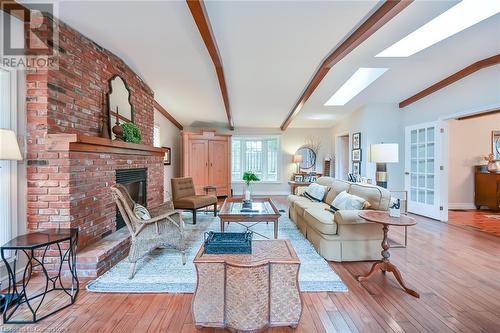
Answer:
(265, 211)
(384, 264)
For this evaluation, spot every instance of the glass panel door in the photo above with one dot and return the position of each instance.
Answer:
(422, 169)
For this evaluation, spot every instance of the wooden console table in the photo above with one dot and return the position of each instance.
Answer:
(248, 292)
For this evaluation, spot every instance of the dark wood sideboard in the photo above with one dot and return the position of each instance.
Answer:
(486, 188)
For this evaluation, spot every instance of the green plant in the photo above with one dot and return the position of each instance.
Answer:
(249, 176)
(131, 133)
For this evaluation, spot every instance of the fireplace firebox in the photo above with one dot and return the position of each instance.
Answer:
(135, 180)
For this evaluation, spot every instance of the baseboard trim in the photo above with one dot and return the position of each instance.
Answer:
(461, 206)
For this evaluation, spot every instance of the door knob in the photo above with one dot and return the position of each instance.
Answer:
(407, 173)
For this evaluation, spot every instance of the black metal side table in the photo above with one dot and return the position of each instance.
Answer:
(35, 246)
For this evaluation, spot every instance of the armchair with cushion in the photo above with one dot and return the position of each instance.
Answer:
(340, 235)
(184, 196)
(165, 228)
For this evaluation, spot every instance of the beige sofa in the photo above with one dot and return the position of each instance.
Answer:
(342, 236)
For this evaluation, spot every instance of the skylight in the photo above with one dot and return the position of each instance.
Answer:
(361, 79)
(459, 17)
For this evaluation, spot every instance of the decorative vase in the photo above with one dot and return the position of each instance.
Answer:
(247, 193)
(118, 131)
(494, 166)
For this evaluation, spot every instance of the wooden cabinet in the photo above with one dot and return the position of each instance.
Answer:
(206, 157)
(486, 188)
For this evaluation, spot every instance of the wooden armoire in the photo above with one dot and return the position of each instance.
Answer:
(206, 157)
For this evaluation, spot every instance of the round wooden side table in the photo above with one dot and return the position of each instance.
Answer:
(384, 264)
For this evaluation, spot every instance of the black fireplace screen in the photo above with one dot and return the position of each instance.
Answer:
(135, 180)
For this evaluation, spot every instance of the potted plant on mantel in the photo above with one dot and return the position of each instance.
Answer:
(248, 178)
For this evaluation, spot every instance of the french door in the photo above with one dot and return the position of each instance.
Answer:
(425, 178)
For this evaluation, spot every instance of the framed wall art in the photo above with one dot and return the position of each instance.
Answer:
(167, 159)
(356, 140)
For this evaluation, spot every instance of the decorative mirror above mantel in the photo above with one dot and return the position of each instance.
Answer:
(119, 105)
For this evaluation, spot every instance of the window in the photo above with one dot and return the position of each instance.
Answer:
(8, 169)
(156, 136)
(257, 154)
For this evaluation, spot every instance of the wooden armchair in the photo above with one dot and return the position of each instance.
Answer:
(164, 229)
(184, 196)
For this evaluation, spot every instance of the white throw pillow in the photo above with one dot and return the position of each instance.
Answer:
(346, 201)
(141, 212)
(315, 192)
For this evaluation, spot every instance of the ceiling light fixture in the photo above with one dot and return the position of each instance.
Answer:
(459, 17)
(361, 79)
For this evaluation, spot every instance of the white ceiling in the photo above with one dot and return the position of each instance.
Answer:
(270, 50)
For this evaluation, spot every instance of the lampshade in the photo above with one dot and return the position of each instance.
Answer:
(384, 153)
(298, 158)
(9, 148)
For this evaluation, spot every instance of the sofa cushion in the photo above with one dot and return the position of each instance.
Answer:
(336, 187)
(349, 217)
(300, 206)
(349, 202)
(321, 220)
(195, 201)
(378, 197)
(292, 199)
(316, 192)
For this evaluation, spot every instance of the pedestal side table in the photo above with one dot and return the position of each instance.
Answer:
(24, 303)
(384, 264)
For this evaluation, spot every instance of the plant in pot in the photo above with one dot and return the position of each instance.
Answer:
(248, 178)
(131, 133)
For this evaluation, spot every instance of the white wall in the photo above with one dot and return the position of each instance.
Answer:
(377, 124)
(469, 140)
(290, 140)
(169, 137)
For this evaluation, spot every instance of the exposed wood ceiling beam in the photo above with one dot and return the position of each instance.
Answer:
(381, 16)
(167, 115)
(494, 60)
(482, 114)
(200, 16)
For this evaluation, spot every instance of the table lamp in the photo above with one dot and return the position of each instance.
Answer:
(297, 159)
(9, 148)
(381, 154)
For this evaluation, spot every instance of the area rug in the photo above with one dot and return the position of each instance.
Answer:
(162, 271)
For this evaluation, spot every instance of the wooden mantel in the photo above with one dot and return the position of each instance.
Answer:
(93, 144)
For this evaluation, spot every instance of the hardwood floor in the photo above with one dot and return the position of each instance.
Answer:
(456, 271)
(482, 220)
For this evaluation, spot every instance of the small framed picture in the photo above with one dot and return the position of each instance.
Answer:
(356, 140)
(495, 145)
(356, 155)
(306, 179)
(167, 159)
(313, 179)
(298, 178)
(356, 168)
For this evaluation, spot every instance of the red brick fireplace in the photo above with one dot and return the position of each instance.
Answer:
(70, 168)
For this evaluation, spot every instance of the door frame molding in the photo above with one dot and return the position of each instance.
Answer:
(337, 149)
(446, 148)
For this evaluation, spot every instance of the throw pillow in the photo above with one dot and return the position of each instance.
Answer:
(315, 192)
(141, 212)
(346, 201)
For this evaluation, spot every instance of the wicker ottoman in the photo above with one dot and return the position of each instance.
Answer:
(248, 292)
